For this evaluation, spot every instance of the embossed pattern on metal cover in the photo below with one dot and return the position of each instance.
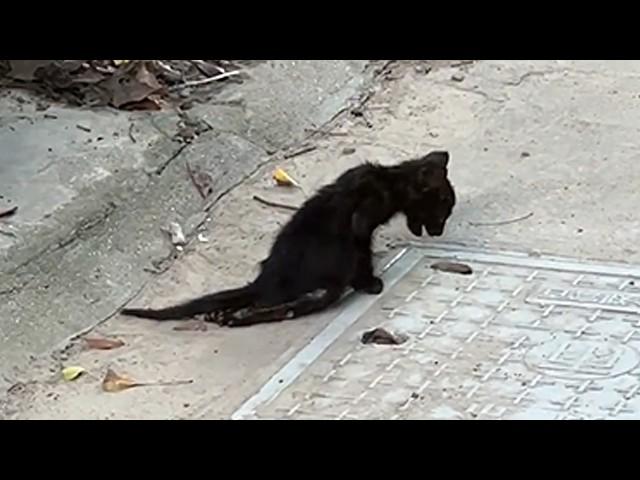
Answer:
(522, 337)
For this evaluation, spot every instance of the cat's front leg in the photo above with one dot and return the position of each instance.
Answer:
(364, 280)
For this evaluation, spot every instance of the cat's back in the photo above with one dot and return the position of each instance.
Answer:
(330, 209)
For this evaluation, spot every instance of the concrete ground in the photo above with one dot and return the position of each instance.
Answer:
(551, 143)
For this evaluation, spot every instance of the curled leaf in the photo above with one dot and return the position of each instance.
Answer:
(283, 179)
(103, 343)
(381, 336)
(113, 382)
(453, 267)
(71, 373)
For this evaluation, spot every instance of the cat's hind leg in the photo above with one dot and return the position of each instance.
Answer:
(306, 304)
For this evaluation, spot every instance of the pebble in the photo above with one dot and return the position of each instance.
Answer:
(348, 150)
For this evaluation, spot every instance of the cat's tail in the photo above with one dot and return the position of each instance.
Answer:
(228, 299)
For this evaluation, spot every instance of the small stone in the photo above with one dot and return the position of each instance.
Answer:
(525, 154)
(422, 69)
(457, 77)
(348, 150)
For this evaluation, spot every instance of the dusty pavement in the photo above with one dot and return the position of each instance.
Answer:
(95, 187)
(544, 159)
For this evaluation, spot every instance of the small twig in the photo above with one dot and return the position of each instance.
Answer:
(301, 151)
(326, 132)
(7, 233)
(503, 222)
(9, 211)
(204, 81)
(462, 63)
(200, 65)
(193, 180)
(164, 384)
(274, 204)
(83, 128)
(133, 139)
(169, 71)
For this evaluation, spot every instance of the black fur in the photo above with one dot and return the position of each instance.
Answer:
(326, 246)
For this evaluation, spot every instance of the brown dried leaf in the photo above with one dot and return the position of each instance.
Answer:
(201, 180)
(381, 336)
(132, 85)
(452, 267)
(149, 103)
(114, 383)
(26, 69)
(103, 343)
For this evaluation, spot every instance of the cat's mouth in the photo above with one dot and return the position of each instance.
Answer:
(416, 228)
(435, 231)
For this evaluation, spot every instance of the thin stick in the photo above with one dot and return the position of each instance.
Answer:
(133, 139)
(164, 384)
(301, 151)
(269, 203)
(504, 222)
(326, 132)
(204, 81)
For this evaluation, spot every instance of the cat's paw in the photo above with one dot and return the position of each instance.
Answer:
(372, 286)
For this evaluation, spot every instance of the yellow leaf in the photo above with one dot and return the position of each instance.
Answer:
(283, 179)
(117, 63)
(71, 373)
(113, 382)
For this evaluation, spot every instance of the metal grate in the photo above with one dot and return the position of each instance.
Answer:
(522, 337)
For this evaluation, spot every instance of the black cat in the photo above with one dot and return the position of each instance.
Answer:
(326, 246)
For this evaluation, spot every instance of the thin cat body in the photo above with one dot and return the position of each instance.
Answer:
(325, 247)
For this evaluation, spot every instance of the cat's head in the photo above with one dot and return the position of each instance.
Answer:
(432, 196)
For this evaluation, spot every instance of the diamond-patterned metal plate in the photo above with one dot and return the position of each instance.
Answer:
(523, 337)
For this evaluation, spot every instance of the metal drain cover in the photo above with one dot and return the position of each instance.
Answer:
(521, 338)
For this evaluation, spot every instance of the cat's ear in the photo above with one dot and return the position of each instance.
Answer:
(438, 158)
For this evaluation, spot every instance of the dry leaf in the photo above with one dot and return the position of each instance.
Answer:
(103, 343)
(283, 179)
(117, 63)
(201, 180)
(133, 85)
(113, 382)
(71, 373)
(453, 267)
(26, 69)
(381, 336)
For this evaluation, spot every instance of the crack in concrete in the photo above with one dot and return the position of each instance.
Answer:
(532, 73)
(163, 166)
(475, 91)
(77, 232)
